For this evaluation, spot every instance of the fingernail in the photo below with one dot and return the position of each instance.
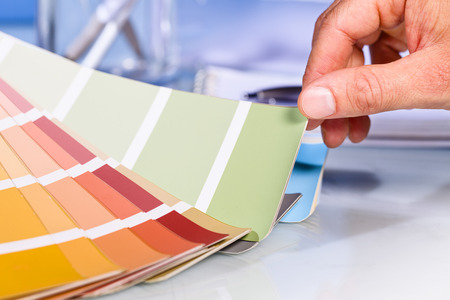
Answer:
(318, 102)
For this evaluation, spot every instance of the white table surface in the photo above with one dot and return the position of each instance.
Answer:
(381, 231)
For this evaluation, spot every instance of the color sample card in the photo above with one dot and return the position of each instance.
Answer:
(229, 159)
(60, 200)
(307, 178)
(109, 182)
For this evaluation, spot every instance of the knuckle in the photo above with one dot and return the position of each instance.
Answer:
(441, 73)
(327, 18)
(322, 17)
(433, 81)
(320, 20)
(366, 92)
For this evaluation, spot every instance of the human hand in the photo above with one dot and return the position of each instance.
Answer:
(339, 91)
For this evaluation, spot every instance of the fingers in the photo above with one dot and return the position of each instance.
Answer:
(358, 128)
(335, 131)
(339, 92)
(420, 80)
(313, 124)
(342, 26)
(356, 59)
(319, 21)
(386, 49)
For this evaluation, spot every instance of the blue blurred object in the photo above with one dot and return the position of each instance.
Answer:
(306, 179)
(312, 154)
(18, 11)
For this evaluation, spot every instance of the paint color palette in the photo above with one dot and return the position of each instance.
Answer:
(106, 182)
(82, 225)
(213, 154)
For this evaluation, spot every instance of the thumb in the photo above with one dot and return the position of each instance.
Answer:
(411, 82)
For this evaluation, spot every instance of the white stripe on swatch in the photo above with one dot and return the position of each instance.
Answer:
(6, 44)
(6, 123)
(90, 166)
(24, 181)
(94, 164)
(26, 244)
(224, 154)
(112, 162)
(135, 219)
(52, 177)
(72, 93)
(142, 217)
(146, 128)
(159, 211)
(75, 233)
(41, 241)
(76, 170)
(67, 235)
(6, 184)
(33, 114)
(47, 114)
(21, 119)
(104, 229)
(181, 207)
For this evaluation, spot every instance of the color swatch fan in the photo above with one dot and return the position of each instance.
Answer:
(115, 181)
(71, 219)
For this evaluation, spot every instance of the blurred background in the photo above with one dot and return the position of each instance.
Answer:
(182, 36)
(215, 47)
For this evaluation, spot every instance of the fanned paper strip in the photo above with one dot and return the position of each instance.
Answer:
(229, 159)
(59, 208)
(183, 177)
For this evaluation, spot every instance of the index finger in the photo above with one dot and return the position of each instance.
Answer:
(347, 22)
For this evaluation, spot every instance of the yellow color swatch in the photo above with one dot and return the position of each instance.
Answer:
(51, 214)
(17, 220)
(86, 258)
(33, 270)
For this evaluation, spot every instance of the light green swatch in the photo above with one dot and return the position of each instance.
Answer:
(109, 112)
(183, 146)
(41, 77)
(256, 175)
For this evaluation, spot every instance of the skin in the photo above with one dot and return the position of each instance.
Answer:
(336, 63)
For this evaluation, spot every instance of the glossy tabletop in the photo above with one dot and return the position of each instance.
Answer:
(381, 231)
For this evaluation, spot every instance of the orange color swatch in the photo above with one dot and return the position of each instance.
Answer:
(81, 205)
(109, 197)
(36, 159)
(163, 239)
(63, 159)
(128, 251)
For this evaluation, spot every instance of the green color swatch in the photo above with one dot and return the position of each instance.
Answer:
(255, 178)
(40, 76)
(183, 146)
(109, 112)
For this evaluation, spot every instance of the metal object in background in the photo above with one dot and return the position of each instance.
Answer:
(130, 38)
